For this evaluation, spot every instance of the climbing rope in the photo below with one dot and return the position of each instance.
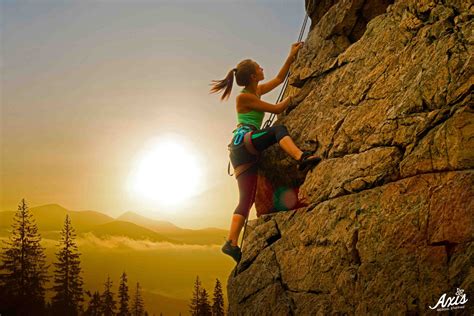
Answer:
(269, 121)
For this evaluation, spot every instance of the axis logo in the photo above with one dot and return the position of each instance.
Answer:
(449, 303)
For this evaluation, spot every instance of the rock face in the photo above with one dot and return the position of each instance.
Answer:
(385, 223)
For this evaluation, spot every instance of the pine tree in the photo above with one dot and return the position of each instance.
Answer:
(107, 300)
(138, 308)
(95, 305)
(194, 307)
(123, 296)
(218, 300)
(204, 305)
(23, 269)
(68, 282)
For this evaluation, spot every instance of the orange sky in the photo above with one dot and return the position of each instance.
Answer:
(86, 85)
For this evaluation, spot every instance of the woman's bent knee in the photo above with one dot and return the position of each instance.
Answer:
(280, 132)
(242, 211)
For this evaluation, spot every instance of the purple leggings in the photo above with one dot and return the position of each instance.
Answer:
(247, 181)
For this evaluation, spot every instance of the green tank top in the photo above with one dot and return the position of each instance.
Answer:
(253, 117)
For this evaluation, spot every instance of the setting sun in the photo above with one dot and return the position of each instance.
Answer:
(167, 173)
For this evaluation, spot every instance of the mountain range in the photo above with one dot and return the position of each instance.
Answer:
(50, 220)
(130, 243)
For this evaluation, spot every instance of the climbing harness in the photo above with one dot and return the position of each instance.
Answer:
(243, 138)
(240, 134)
(268, 123)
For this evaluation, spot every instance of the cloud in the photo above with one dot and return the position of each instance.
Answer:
(115, 242)
(120, 242)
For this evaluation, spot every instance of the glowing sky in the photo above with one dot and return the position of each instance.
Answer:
(87, 84)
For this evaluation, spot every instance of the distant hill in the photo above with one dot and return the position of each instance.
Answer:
(204, 236)
(50, 217)
(152, 224)
(130, 230)
(85, 220)
(47, 217)
(6, 219)
(50, 220)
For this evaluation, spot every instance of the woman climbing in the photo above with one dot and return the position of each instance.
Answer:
(249, 140)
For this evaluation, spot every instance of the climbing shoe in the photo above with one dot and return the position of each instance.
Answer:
(233, 251)
(307, 160)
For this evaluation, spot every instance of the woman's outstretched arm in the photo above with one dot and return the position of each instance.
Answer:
(275, 82)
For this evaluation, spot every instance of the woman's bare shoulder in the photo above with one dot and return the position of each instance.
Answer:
(242, 100)
(246, 96)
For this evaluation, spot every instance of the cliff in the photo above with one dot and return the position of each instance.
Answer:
(387, 223)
